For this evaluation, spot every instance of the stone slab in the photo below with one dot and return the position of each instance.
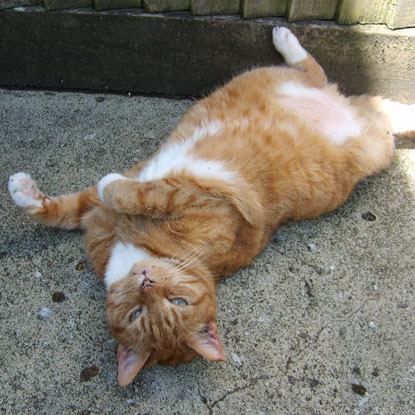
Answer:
(180, 54)
(262, 8)
(205, 7)
(66, 4)
(116, 4)
(166, 5)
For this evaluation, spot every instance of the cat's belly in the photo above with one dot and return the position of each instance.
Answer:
(323, 112)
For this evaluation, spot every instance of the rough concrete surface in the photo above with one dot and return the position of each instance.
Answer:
(322, 322)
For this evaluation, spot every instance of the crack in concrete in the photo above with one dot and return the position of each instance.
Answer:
(300, 352)
(252, 382)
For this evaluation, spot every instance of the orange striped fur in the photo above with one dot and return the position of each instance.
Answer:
(248, 162)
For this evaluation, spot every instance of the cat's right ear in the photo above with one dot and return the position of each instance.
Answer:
(130, 363)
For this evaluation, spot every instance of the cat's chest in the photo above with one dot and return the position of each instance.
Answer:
(179, 156)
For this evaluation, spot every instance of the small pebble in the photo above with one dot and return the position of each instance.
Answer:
(38, 274)
(359, 389)
(58, 297)
(89, 372)
(236, 359)
(368, 216)
(130, 402)
(311, 247)
(372, 325)
(44, 313)
(332, 267)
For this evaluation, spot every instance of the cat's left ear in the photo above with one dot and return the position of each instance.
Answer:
(130, 363)
(207, 343)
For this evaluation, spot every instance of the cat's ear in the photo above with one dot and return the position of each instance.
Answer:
(130, 363)
(207, 343)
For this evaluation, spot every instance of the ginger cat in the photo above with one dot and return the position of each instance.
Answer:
(274, 144)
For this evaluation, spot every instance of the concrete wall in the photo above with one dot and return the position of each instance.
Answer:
(180, 54)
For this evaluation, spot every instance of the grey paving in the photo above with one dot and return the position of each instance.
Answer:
(322, 322)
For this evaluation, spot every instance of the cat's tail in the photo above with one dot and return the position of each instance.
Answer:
(401, 117)
(63, 211)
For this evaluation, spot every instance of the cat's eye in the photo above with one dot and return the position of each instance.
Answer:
(135, 314)
(178, 301)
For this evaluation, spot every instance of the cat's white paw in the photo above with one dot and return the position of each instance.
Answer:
(24, 192)
(288, 45)
(107, 180)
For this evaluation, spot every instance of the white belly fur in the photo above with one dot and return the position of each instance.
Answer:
(327, 115)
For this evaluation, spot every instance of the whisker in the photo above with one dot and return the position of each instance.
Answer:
(200, 276)
(192, 258)
(191, 255)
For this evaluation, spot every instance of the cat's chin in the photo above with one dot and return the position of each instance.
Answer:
(171, 358)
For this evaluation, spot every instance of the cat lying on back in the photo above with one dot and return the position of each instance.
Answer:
(274, 144)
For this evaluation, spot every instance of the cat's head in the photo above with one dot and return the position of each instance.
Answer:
(160, 313)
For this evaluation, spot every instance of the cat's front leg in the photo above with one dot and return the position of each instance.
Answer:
(108, 190)
(160, 198)
(64, 211)
(125, 195)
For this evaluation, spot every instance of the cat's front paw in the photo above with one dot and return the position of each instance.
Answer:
(24, 191)
(288, 45)
(109, 178)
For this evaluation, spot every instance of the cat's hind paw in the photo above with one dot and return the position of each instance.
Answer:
(24, 191)
(288, 45)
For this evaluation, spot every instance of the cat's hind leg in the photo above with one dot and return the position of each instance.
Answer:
(296, 56)
(62, 211)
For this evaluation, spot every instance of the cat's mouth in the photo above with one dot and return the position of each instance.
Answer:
(146, 283)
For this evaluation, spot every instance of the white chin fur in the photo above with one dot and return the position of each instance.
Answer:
(122, 258)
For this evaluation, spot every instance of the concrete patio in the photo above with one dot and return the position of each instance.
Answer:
(322, 322)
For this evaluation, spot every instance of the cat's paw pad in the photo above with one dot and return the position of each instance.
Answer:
(288, 45)
(109, 178)
(24, 192)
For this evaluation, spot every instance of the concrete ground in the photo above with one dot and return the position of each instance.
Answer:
(322, 322)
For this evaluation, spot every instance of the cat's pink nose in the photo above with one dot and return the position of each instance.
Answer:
(141, 269)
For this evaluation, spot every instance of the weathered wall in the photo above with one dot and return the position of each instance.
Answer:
(177, 54)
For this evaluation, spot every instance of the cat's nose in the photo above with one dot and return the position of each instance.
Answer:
(142, 269)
